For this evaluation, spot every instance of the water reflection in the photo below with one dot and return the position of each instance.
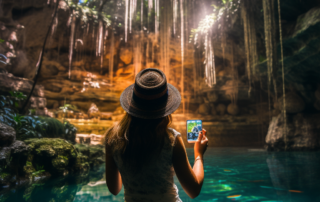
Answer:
(231, 174)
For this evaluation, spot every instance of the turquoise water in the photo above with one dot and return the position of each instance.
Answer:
(231, 174)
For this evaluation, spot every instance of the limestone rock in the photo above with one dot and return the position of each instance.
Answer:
(212, 97)
(7, 135)
(233, 109)
(93, 111)
(126, 55)
(294, 103)
(221, 109)
(299, 133)
(94, 153)
(8, 82)
(204, 108)
(53, 154)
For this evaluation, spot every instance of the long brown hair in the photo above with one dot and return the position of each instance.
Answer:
(139, 140)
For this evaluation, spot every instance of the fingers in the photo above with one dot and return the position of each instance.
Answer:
(204, 132)
(200, 136)
(205, 140)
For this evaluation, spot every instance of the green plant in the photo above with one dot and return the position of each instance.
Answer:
(17, 96)
(31, 126)
(32, 111)
(17, 119)
(37, 172)
(67, 107)
(69, 131)
(7, 111)
(38, 167)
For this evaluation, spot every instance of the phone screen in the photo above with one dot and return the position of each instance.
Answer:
(194, 127)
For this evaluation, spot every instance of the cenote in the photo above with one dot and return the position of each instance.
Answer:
(249, 69)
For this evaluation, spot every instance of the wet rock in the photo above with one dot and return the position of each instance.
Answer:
(294, 103)
(221, 109)
(212, 97)
(8, 82)
(93, 111)
(296, 132)
(204, 108)
(94, 153)
(7, 135)
(233, 109)
(53, 154)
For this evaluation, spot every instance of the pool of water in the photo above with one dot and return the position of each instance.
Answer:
(231, 174)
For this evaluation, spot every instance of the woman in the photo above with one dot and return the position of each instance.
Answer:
(143, 153)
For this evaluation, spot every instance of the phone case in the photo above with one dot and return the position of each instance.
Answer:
(193, 129)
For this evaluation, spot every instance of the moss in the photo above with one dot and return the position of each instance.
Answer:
(28, 163)
(4, 175)
(29, 169)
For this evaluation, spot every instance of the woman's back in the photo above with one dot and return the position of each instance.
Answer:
(153, 181)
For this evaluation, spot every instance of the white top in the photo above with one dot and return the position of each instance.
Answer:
(155, 182)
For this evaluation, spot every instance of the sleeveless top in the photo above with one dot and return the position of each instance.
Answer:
(155, 182)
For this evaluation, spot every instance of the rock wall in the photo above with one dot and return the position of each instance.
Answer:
(296, 132)
(38, 159)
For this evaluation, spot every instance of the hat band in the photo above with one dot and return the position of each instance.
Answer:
(157, 100)
(149, 97)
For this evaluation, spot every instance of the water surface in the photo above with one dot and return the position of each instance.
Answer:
(231, 174)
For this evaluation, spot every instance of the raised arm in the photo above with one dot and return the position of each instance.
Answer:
(191, 179)
(113, 177)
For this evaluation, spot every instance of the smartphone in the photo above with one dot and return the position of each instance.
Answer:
(194, 127)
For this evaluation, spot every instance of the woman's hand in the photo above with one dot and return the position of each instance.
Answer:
(201, 144)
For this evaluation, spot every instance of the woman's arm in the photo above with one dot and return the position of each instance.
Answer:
(113, 177)
(190, 179)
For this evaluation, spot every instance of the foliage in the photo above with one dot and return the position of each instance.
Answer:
(37, 172)
(1, 40)
(207, 23)
(32, 111)
(69, 131)
(9, 108)
(67, 107)
(87, 11)
(33, 126)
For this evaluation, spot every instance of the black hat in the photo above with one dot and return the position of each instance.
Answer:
(150, 97)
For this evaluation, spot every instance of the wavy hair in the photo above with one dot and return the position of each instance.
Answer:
(139, 140)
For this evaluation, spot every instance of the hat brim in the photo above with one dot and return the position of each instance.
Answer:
(154, 111)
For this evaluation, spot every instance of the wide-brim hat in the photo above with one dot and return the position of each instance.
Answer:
(150, 97)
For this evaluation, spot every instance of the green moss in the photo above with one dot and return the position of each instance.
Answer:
(4, 175)
(63, 157)
(29, 163)
(29, 169)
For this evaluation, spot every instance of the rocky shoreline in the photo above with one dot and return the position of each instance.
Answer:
(26, 162)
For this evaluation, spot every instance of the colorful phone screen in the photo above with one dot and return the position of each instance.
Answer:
(194, 127)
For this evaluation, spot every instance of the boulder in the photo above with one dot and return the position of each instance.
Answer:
(212, 97)
(52, 154)
(7, 135)
(204, 108)
(93, 111)
(221, 109)
(295, 132)
(294, 103)
(94, 153)
(233, 109)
